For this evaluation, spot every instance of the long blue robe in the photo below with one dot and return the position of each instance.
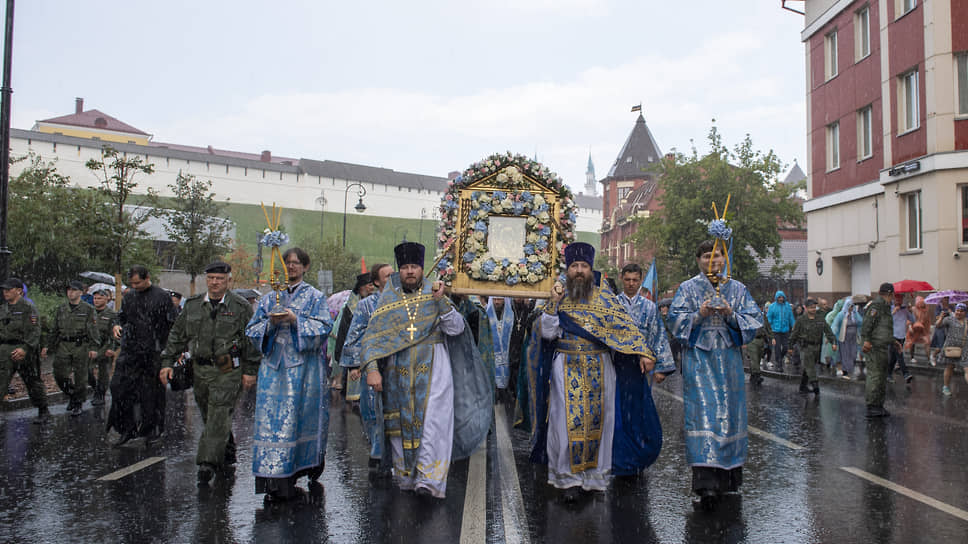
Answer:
(291, 411)
(713, 385)
(637, 437)
(645, 314)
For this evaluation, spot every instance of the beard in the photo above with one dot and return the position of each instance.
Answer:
(411, 285)
(578, 287)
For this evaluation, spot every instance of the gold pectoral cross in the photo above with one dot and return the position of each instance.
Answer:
(411, 329)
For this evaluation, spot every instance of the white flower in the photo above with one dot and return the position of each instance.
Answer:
(545, 258)
(476, 268)
(538, 200)
(532, 258)
(485, 198)
(502, 178)
(492, 277)
(512, 271)
(267, 231)
(475, 204)
(532, 278)
(532, 238)
(478, 235)
(507, 204)
(512, 171)
(543, 217)
(532, 221)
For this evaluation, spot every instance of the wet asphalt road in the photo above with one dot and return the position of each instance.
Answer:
(817, 472)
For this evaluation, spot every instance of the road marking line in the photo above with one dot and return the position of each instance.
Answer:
(910, 493)
(473, 528)
(118, 474)
(512, 503)
(749, 428)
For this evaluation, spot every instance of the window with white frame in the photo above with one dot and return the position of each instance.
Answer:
(907, 101)
(906, 6)
(963, 190)
(862, 33)
(830, 54)
(864, 133)
(912, 212)
(961, 71)
(833, 146)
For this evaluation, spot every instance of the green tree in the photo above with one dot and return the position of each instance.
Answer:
(116, 172)
(688, 186)
(331, 255)
(195, 224)
(243, 269)
(52, 227)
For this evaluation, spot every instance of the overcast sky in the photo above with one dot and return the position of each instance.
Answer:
(421, 86)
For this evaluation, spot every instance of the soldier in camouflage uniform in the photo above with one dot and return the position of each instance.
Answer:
(755, 349)
(877, 332)
(808, 333)
(106, 320)
(74, 340)
(19, 343)
(210, 331)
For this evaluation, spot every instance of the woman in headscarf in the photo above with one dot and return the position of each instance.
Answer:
(827, 354)
(846, 324)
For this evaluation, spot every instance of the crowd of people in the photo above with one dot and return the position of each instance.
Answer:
(860, 338)
(424, 366)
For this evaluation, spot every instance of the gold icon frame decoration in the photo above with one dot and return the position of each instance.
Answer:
(504, 225)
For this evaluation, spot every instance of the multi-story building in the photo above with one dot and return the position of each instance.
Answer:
(629, 191)
(887, 136)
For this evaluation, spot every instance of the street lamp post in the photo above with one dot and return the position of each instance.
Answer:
(360, 207)
(321, 200)
(423, 215)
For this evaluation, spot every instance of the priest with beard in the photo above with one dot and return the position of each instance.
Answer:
(418, 351)
(586, 353)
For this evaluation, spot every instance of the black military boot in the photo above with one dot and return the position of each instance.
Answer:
(803, 383)
(98, 399)
(43, 416)
(815, 387)
(205, 474)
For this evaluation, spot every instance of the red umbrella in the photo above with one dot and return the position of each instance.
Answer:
(910, 286)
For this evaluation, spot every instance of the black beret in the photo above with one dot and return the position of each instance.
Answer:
(218, 267)
(74, 284)
(886, 288)
(810, 302)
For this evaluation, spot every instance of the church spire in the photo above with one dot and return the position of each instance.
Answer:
(591, 185)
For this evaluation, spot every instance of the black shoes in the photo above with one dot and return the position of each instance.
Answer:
(125, 438)
(708, 500)
(75, 409)
(43, 416)
(205, 474)
(571, 494)
(815, 388)
(756, 379)
(876, 411)
(98, 399)
(908, 377)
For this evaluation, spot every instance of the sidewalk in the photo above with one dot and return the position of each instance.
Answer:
(792, 372)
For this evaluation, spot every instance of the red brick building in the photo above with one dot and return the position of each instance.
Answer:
(887, 127)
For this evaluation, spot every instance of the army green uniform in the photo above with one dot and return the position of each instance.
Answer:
(761, 342)
(20, 328)
(220, 353)
(878, 329)
(808, 334)
(106, 320)
(72, 337)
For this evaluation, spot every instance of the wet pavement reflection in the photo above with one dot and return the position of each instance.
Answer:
(821, 486)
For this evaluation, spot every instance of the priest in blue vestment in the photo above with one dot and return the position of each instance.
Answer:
(500, 317)
(418, 351)
(590, 402)
(712, 333)
(291, 406)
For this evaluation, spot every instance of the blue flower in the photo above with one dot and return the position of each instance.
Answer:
(718, 229)
(542, 208)
(517, 208)
(511, 280)
(526, 196)
(535, 267)
(572, 217)
(541, 244)
(444, 264)
(505, 262)
(486, 206)
(499, 195)
(545, 231)
(489, 266)
(475, 195)
(469, 256)
(480, 226)
(451, 204)
(529, 249)
(472, 215)
(275, 239)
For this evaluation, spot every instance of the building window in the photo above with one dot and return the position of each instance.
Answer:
(907, 101)
(961, 60)
(833, 146)
(964, 215)
(912, 203)
(623, 193)
(862, 33)
(830, 54)
(906, 6)
(864, 131)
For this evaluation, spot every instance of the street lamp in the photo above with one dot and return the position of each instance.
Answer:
(321, 200)
(360, 207)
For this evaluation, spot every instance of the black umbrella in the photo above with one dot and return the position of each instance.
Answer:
(100, 277)
(247, 293)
